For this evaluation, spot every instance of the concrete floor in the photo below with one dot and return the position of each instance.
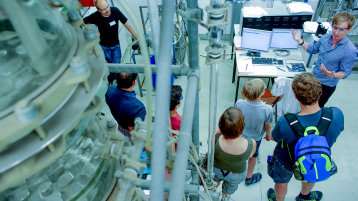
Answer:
(339, 187)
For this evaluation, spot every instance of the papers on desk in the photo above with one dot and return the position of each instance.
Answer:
(244, 66)
(265, 70)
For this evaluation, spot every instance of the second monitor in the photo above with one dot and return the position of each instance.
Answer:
(282, 39)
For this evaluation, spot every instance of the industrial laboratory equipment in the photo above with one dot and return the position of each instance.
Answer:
(53, 146)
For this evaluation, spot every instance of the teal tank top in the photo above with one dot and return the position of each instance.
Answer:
(229, 162)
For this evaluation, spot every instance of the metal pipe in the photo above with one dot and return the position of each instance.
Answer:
(160, 134)
(196, 142)
(194, 64)
(235, 17)
(195, 137)
(188, 188)
(185, 15)
(215, 41)
(214, 75)
(181, 160)
(139, 68)
(154, 23)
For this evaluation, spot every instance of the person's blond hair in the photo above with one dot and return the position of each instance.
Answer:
(343, 17)
(307, 88)
(254, 89)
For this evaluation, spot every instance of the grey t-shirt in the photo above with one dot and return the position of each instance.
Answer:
(255, 115)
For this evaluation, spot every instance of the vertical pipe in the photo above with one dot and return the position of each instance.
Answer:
(181, 160)
(154, 23)
(235, 16)
(193, 38)
(162, 102)
(194, 64)
(213, 99)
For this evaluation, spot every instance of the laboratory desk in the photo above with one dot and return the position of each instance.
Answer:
(265, 71)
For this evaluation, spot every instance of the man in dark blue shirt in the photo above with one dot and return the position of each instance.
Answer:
(307, 89)
(122, 101)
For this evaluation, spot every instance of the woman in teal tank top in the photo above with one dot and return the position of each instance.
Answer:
(232, 151)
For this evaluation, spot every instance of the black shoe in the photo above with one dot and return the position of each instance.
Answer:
(314, 196)
(271, 196)
(254, 179)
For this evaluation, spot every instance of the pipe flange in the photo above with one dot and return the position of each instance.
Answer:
(217, 15)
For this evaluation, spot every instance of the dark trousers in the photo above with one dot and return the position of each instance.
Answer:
(326, 94)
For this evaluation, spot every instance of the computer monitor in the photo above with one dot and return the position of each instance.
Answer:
(255, 40)
(282, 39)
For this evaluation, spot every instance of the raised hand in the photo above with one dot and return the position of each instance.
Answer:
(296, 36)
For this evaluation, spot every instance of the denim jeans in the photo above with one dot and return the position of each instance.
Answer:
(231, 179)
(278, 172)
(112, 55)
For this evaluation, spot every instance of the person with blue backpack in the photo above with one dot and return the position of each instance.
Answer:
(304, 141)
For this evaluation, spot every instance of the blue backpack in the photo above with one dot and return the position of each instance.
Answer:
(312, 152)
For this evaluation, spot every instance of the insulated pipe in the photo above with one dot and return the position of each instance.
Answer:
(214, 74)
(160, 134)
(147, 69)
(188, 188)
(154, 23)
(181, 160)
(139, 68)
(194, 64)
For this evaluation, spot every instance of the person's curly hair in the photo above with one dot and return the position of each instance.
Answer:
(307, 88)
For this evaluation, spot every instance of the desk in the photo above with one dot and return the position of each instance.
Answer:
(294, 57)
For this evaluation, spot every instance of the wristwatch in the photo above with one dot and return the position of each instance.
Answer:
(333, 75)
(302, 43)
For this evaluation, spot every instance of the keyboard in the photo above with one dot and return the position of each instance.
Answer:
(266, 61)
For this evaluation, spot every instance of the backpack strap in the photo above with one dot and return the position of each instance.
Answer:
(298, 130)
(295, 124)
(325, 120)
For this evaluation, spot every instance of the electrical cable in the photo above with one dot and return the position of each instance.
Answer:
(200, 175)
(282, 53)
